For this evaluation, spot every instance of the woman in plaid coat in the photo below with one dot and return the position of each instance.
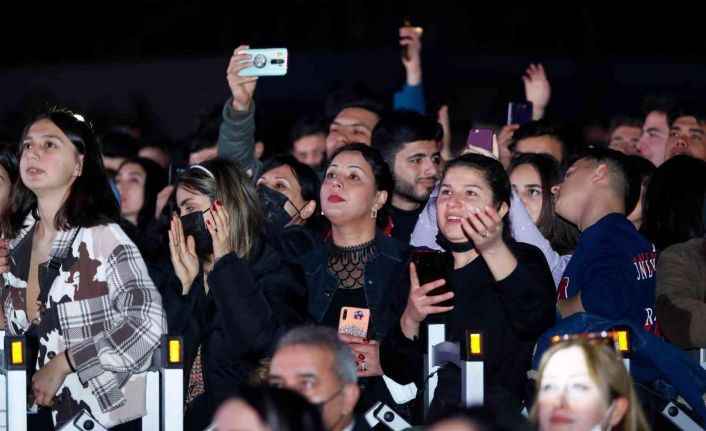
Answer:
(77, 286)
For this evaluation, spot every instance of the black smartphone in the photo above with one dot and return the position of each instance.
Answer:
(519, 113)
(431, 266)
(175, 170)
(481, 138)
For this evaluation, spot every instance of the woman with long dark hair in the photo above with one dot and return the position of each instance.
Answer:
(497, 285)
(77, 287)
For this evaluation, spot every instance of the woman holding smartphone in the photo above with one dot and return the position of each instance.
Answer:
(358, 263)
(498, 285)
(77, 288)
(229, 294)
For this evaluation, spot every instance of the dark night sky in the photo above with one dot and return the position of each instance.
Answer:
(123, 60)
(159, 28)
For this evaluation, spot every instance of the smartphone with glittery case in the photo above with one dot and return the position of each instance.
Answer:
(354, 321)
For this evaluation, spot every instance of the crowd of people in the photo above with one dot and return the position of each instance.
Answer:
(109, 242)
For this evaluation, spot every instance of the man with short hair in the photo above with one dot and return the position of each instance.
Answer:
(409, 142)
(655, 130)
(687, 133)
(315, 363)
(308, 138)
(624, 133)
(353, 123)
(612, 271)
(541, 137)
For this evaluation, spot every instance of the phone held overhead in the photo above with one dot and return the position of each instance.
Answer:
(266, 62)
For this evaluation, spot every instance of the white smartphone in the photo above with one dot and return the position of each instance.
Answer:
(266, 62)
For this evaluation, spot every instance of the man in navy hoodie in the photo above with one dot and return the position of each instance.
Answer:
(612, 271)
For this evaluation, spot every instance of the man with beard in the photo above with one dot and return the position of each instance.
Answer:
(409, 142)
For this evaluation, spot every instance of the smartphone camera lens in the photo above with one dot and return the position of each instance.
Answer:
(345, 314)
(259, 61)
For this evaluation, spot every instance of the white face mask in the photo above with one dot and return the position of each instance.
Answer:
(605, 419)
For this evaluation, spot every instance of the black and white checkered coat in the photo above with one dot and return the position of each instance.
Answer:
(103, 307)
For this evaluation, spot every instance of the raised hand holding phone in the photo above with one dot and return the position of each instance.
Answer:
(241, 87)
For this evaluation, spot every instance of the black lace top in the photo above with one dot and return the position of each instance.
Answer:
(348, 264)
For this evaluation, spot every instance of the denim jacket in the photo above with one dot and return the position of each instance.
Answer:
(382, 272)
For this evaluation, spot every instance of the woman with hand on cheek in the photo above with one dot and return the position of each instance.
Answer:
(497, 285)
(229, 294)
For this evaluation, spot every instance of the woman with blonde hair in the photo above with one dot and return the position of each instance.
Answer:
(227, 292)
(584, 386)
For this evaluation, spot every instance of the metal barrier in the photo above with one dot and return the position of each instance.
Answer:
(164, 397)
(13, 400)
(165, 387)
(467, 355)
(671, 411)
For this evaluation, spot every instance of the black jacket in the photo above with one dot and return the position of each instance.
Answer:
(512, 312)
(237, 323)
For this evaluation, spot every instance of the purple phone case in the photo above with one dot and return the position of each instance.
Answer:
(481, 138)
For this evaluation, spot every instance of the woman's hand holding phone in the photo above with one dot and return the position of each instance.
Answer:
(420, 304)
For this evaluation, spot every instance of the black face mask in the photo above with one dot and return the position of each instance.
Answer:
(194, 225)
(458, 247)
(276, 217)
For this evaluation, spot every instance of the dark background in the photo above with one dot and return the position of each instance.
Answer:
(157, 65)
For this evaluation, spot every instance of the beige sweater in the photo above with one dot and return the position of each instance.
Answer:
(681, 293)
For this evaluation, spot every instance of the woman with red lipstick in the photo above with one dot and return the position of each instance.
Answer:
(583, 386)
(357, 265)
(227, 292)
(498, 285)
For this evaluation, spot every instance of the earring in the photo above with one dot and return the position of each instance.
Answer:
(373, 212)
(322, 212)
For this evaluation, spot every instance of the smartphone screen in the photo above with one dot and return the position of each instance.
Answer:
(519, 113)
(431, 266)
(482, 138)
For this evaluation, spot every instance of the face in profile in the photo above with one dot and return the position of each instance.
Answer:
(653, 139)
(5, 188)
(571, 195)
(569, 399)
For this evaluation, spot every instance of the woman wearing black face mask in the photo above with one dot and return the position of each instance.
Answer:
(229, 294)
(289, 194)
